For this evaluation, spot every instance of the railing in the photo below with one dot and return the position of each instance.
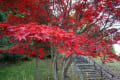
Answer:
(104, 72)
(78, 70)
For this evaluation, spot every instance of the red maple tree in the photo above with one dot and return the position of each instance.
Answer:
(79, 27)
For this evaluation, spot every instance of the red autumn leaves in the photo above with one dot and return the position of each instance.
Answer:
(28, 36)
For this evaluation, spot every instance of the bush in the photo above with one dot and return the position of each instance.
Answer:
(2, 16)
(10, 57)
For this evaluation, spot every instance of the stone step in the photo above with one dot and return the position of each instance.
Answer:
(84, 64)
(91, 73)
(93, 78)
(86, 67)
(80, 62)
(93, 70)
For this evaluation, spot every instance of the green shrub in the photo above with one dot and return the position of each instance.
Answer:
(10, 57)
(2, 16)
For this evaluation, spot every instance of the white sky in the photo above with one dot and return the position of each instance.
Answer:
(117, 48)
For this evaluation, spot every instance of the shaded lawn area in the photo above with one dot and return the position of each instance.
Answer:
(26, 70)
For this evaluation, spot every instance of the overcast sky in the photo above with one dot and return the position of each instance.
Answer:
(117, 48)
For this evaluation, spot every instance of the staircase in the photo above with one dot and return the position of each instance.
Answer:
(88, 70)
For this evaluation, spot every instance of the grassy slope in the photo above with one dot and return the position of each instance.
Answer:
(26, 70)
(112, 67)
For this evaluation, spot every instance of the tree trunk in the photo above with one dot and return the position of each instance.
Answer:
(36, 73)
(66, 65)
(54, 65)
(63, 69)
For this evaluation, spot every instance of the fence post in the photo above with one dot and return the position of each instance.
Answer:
(101, 72)
(112, 77)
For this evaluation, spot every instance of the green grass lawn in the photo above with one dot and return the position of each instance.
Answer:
(26, 70)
